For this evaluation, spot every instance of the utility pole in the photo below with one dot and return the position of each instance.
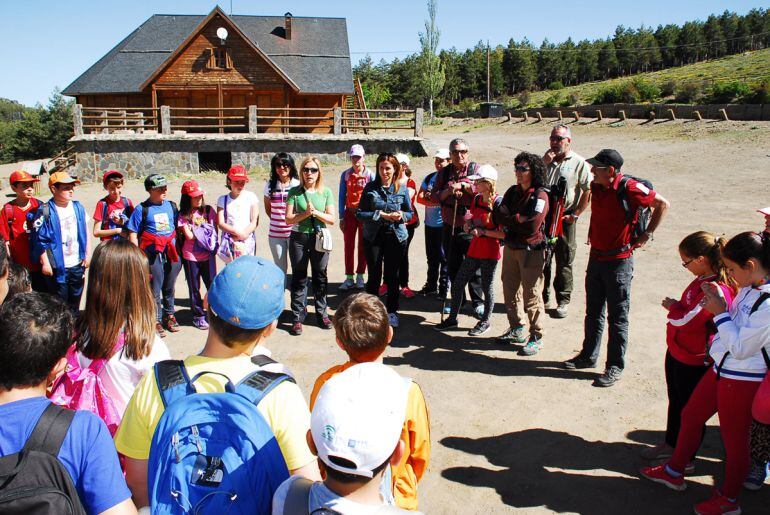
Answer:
(489, 86)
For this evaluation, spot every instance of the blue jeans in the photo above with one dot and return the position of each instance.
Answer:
(71, 290)
(163, 274)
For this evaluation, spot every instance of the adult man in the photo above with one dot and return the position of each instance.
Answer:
(561, 161)
(611, 262)
(434, 249)
(453, 188)
(352, 182)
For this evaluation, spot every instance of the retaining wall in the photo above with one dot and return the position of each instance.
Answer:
(708, 111)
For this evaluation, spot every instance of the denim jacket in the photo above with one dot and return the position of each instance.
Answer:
(376, 200)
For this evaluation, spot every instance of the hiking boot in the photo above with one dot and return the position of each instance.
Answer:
(533, 346)
(480, 328)
(159, 329)
(560, 311)
(296, 329)
(512, 335)
(171, 324)
(578, 363)
(446, 324)
(407, 292)
(360, 283)
(200, 323)
(383, 290)
(660, 474)
(393, 319)
(427, 290)
(347, 284)
(661, 451)
(756, 476)
(610, 376)
(718, 504)
(324, 322)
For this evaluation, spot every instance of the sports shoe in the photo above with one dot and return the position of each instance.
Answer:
(170, 323)
(446, 309)
(159, 329)
(560, 311)
(659, 452)
(756, 476)
(383, 290)
(480, 328)
(478, 311)
(427, 290)
(407, 292)
(347, 284)
(360, 283)
(659, 474)
(610, 376)
(296, 329)
(533, 346)
(718, 504)
(446, 324)
(512, 335)
(325, 322)
(393, 319)
(200, 323)
(578, 363)
(689, 469)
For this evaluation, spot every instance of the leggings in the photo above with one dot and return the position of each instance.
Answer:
(731, 400)
(681, 381)
(467, 271)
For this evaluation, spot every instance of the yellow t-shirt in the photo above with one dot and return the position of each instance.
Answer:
(284, 409)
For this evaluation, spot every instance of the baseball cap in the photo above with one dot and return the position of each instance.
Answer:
(358, 416)
(484, 172)
(442, 153)
(607, 157)
(356, 150)
(155, 180)
(402, 158)
(238, 173)
(62, 178)
(765, 211)
(22, 176)
(110, 174)
(192, 189)
(248, 293)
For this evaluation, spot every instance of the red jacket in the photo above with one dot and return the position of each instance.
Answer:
(149, 243)
(690, 328)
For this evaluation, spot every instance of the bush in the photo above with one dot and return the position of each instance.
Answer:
(524, 97)
(648, 91)
(668, 88)
(466, 105)
(557, 84)
(760, 94)
(551, 101)
(629, 94)
(726, 92)
(609, 95)
(688, 92)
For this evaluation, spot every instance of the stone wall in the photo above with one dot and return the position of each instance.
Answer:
(710, 111)
(90, 166)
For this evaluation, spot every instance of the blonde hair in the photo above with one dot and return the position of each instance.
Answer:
(315, 160)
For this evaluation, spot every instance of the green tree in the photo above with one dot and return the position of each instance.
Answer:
(568, 67)
(667, 37)
(431, 70)
(450, 60)
(519, 66)
(608, 59)
(548, 64)
(587, 60)
(691, 42)
(715, 37)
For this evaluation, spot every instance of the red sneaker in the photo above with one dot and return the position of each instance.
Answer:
(718, 505)
(659, 474)
(407, 292)
(383, 289)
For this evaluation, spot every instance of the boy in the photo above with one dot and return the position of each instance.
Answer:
(364, 404)
(84, 464)
(438, 280)
(60, 241)
(352, 182)
(152, 226)
(112, 212)
(15, 229)
(244, 302)
(363, 332)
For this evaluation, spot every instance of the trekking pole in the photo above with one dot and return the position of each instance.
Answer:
(451, 242)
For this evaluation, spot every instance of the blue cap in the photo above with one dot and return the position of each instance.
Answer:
(248, 293)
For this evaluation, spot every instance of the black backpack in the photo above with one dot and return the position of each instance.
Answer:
(33, 481)
(642, 214)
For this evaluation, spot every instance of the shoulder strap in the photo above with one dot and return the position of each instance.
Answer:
(46, 211)
(623, 197)
(298, 497)
(172, 380)
(258, 384)
(175, 210)
(8, 211)
(50, 430)
(760, 300)
(261, 360)
(105, 219)
(143, 221)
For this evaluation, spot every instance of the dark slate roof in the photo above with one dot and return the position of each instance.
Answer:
(316, 59)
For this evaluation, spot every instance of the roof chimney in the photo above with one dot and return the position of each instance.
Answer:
(287, 25)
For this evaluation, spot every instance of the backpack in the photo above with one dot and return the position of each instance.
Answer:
(641, 217)
(145, 213)
(213, 452)
(760, 300)
(82, 389)
(33, 481)
(298, 501)
(9, 214)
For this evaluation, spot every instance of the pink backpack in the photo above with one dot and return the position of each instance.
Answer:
(81, 388)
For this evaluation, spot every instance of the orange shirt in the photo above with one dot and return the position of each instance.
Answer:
(415, 435)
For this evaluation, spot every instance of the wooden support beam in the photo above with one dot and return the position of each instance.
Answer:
(337, 121)
(419, 114)
(696, 115)
(77, 119)
(165, 120)
(671, 114)
(599, 114)
(622, 115)
(252, 120)
(723, 114)
(539, 116)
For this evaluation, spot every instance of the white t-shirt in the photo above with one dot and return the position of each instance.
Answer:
(68, 223)
(238, 209)
(120, 374)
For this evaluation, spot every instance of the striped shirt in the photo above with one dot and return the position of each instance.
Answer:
(278, 227)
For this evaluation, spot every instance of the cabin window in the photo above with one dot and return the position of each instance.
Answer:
(219, 59)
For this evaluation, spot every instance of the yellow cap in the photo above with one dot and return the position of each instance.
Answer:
(62, 178)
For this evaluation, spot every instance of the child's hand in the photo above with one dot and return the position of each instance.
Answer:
(668, 302)
(47, 270)
(713, 301)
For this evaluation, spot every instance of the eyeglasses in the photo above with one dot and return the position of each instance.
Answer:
(687, 263)
(521, 169)
(558, 138)
(310, 170)
(462, 151)
(282, 165)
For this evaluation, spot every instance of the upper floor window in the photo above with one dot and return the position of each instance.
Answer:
(219, 59)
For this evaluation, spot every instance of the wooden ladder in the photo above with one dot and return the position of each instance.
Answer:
(357, 101)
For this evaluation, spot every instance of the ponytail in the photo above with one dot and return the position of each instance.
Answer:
(712, 247)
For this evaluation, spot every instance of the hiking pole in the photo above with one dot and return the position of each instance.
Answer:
(451, 242)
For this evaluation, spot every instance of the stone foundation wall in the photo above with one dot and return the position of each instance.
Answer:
(90, 166)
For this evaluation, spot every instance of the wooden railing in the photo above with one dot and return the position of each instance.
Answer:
(107, 120)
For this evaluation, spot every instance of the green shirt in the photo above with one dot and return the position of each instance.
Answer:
(320, 200)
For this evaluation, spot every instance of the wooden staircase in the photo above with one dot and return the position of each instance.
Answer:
(61, 161)
(359, 120)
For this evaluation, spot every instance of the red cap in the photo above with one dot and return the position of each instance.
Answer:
(192, 189)
(22, 176)
(238, 173)
(765, 210)
(109, 174)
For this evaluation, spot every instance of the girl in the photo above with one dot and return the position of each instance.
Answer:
(283, 177)
(237, 217)
(309, 206)
(483, 253)
(385, 209)
(197, 227)
(728, 388)
(690, 330)
(411, 226)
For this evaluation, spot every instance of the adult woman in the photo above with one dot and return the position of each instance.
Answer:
(385, 209)
(283, 177)
(522, 214)
(309, 207)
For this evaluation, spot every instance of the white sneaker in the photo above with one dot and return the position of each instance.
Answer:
(393, 319)
(360, 283)
(347, 285)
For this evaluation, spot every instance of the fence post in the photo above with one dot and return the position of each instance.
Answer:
(105, 123)
(622, 114)
(165, 119)
(539, 116)
(419, 113)
(252, 120)
(337, 121)
(576, 116)
(558, 115)
(526, 116)
(696, 115)
(599, 114)
(77, 119)
(723, 113)
(671, 114)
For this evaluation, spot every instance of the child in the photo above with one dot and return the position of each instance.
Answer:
(15, 226)
(437, 281)
(60, 241)
(237, 217)
(81, 461)
(362, 330)
(18, 279)
(352, 182)
(483, 252)
(739, 353)
(364, 404)
(411, 225)
(5, 273)
(244, 302)
(197, 224)
(112, 212)
(152, 227)
(690, 330)
(283, 177)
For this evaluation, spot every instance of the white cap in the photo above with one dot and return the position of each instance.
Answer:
(484, 172)
(765, 211)
(356, 150)
(358, 416)
(442, 153)
(402, 158)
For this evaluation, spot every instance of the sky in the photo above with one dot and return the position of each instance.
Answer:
(49, 43)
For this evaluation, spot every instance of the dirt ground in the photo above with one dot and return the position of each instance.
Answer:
(515, 434)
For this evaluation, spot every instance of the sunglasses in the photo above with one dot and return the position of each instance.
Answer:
(310, 170)
(282, 165)
(461, 151)
(558, 138)
(521, 169)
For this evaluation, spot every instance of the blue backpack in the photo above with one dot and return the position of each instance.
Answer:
(213, 452)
